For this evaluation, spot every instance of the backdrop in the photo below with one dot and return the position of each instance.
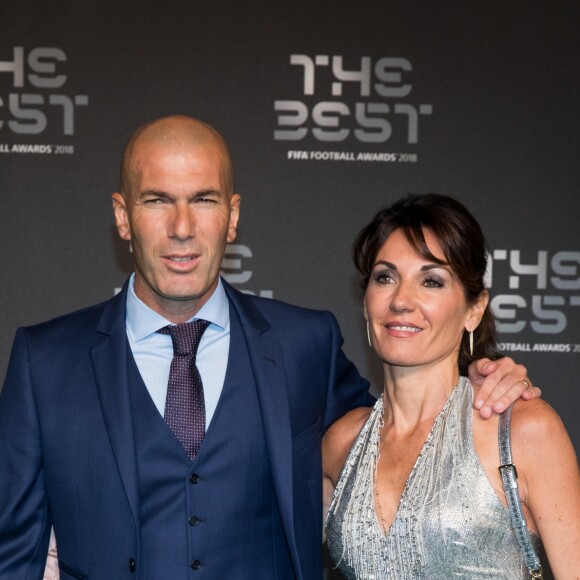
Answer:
(331, 112)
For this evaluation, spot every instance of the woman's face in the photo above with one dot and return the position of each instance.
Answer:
(416, 309)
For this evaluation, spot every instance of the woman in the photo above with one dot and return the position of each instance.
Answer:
(417, 491)
(51, 571)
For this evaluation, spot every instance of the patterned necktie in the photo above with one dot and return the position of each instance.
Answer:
(185, 405)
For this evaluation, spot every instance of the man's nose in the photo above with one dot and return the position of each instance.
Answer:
(183, 222)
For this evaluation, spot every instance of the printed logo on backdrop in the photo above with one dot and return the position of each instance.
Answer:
(236, 268)
(362, 111)
(34, 102)
(536, 299)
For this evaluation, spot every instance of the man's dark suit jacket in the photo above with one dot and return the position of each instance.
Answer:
(67, 454)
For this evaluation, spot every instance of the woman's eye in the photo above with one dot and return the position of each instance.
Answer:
(433, 283)
(383, 278)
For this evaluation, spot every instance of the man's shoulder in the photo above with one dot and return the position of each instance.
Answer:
(73, 323)
(278, 309)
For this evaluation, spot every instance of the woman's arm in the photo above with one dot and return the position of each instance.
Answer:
(549, 481)
(51, 571)
(336, 444)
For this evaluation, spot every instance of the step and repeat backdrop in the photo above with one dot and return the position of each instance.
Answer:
(331, 112)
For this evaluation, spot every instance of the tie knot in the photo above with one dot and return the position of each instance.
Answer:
(186, 336)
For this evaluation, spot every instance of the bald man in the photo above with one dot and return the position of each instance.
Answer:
(92, 441)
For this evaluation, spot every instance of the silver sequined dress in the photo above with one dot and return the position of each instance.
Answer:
(450, 522)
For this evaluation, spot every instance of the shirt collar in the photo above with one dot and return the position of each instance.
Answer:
(142, 321)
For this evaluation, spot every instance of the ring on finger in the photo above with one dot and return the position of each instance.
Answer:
(526, 383)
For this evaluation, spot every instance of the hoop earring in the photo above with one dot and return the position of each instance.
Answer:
(369, 335)
(471, 342)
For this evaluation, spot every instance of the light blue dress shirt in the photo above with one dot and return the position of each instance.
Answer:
(153, 352)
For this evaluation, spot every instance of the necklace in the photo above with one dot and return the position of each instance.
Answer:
(379, 511)
(378, 507)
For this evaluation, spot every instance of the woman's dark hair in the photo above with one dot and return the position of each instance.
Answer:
(463, 246)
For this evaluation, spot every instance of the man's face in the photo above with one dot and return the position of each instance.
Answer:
(178, 217)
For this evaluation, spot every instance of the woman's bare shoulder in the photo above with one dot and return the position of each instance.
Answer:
(349, 425)
(339, 438)
(533, 420)
(538, 434)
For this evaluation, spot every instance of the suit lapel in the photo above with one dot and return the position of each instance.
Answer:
(111, 373)
(267, 361)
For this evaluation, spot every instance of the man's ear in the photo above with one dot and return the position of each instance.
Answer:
(234, 217)
(121, 216)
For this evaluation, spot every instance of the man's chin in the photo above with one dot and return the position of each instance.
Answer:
(185, 293)
(183, 296)
(171, 295)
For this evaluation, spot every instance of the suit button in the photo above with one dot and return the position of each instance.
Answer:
(194, 478)
(132, 565)
(196, 565)
(193, 521)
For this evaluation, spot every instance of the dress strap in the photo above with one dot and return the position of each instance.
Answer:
(509, 478)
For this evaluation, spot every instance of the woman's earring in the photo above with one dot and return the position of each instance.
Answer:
(369, 335)
(471, 342)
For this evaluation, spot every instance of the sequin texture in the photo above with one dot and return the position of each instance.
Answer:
(449, 523)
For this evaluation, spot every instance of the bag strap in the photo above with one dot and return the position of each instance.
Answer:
(509, 478)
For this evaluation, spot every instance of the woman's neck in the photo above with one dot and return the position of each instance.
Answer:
(414, 395)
